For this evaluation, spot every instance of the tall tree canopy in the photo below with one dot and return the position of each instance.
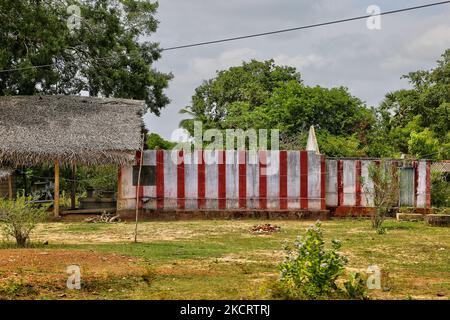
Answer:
(417, 121)
(251, 83)
(107, 55)
(262, 95)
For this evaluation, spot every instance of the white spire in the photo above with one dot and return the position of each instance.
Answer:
(312, 141)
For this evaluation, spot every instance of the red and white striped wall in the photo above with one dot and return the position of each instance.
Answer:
(262, 180)
(349, 185)
(221, 180)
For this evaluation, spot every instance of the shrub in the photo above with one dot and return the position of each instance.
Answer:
(356, 286)
(440, 189)
(20, 217)
(309, 270)
(384, 189)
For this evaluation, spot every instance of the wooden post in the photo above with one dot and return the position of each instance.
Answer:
(74, 187)
(119, 189)
(56, 197)
(10, 187)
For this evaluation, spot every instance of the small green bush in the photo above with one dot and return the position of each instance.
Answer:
(355, 287)
(310, 271)
(20, 217)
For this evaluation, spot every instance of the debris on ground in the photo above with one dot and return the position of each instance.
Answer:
(265, 228)
(106, 217)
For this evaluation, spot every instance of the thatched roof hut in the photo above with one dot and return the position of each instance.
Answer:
(69, 129)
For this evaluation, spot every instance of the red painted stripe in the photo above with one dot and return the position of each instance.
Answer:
(201, 180)
(358, 184)
(242, 180)
(140, 189)
(340, 182)
(283, 180)
(262, 180)
(303, 179)
(416, 181)
(222, 179)
(180, 181)
(323, 178)
(427, 182)
(159, 179)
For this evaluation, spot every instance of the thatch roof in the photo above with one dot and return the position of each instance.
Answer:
(42, 129)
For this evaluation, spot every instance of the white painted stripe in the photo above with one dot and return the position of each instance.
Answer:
(273, 179)
(128, 190)
(170, 179)
(232, 179)
(293, 179)
(314, 178)
(331, 184)
(366, 184)
(252, 179)
(149, 159)
(349, 176)
(191, 180)
(422, 184)
(211, 179)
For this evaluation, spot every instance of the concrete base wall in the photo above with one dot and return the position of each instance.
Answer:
(148, 215)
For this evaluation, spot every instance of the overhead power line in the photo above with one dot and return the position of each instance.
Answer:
(304, 27)
(265, 33)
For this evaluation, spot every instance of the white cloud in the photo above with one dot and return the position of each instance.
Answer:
(301, 61)
(426, 47)
(430, 42)
(206, 67)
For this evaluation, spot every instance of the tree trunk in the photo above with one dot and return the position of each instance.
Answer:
(21, 241)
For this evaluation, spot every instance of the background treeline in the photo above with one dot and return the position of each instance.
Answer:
(260, 94)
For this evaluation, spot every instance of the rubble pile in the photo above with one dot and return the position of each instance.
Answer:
(264, 228)
(104, 218)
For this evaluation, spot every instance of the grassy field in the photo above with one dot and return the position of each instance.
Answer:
(213, 259)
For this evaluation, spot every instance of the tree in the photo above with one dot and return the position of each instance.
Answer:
(250, 84)
(262, 95)
(294, 107)
(155, 141)
(107, 55)
(20, 217)
(425, 106)
(384, 190)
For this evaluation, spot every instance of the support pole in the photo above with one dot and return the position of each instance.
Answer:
(56, 197)
(141, 160)
(74, 187)
(119, 189)
(10, 187)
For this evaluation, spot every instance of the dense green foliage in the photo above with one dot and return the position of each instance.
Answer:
(440, 189)
(155, 141)
(250, 84)
(417, 121)
(263, 95)
(107, 55)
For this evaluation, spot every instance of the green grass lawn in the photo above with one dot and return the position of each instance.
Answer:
(222, 259)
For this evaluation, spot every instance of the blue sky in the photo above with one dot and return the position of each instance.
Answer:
(368, 62)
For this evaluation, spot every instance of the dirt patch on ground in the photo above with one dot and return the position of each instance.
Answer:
(28, 273)
(85, 233)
